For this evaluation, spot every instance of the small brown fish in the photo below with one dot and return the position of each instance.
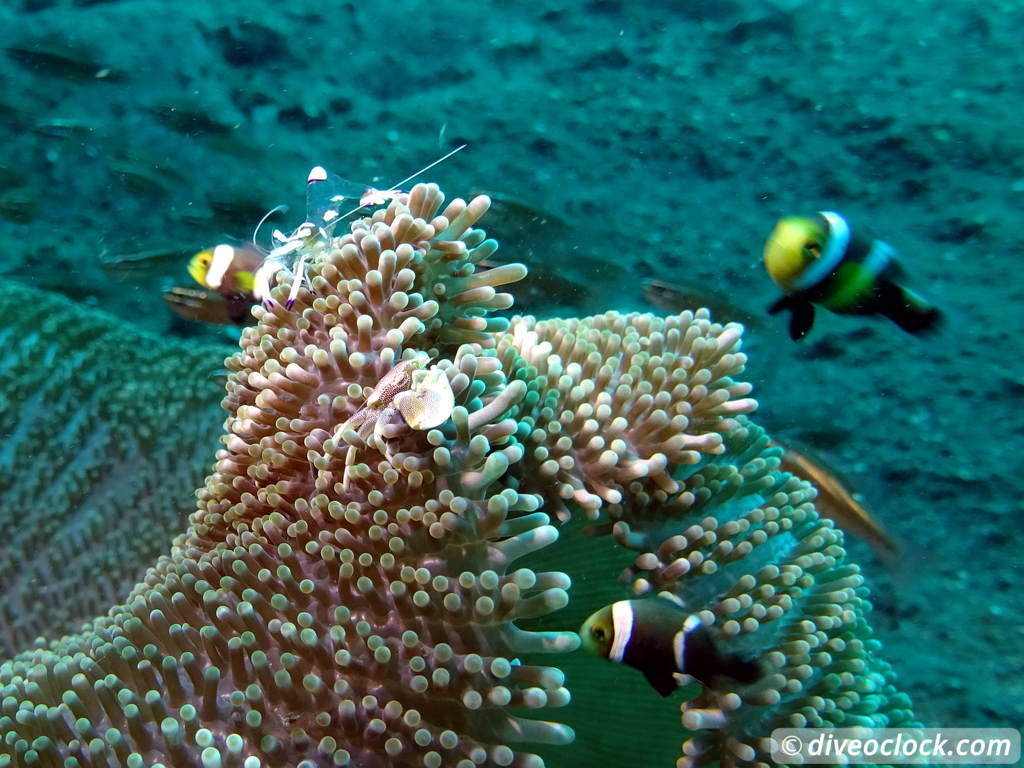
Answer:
(55, 56)
(142, 177)
(191, 119)
(144, 262)
(676, 297)
(836, 503)
(508, 209)
(208, 306)
(64, 127)
(543, 287)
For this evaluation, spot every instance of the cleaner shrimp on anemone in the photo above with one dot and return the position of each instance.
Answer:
(326, 195)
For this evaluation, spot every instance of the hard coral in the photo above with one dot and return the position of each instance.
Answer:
(105, 435)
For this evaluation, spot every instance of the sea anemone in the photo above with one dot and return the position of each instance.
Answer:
(373, 575)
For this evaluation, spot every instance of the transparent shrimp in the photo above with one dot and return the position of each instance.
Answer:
(326, 194)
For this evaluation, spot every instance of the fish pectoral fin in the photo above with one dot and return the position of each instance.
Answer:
(742, 670)
(197, 304)
(245, 281)
(780, 304)
(663, 683)
(802, 319)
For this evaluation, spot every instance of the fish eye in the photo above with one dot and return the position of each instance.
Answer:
(598, 633)
(813, 250)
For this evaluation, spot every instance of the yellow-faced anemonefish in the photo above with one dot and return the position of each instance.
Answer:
(240, 274)
(822, 260)
(659, 637)
(244, 275)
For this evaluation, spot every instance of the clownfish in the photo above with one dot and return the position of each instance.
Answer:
(657, 636)
(227, 269)
(235, 273)
(822, 260)
(238, 277)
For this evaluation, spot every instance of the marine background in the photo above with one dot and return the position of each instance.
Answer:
(623, 142)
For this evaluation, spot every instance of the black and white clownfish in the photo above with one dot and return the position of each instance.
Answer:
(822, 260)
(660, 638)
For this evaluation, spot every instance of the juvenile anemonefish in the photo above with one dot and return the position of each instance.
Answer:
(675, 297)
(236, 273)
(660, 638)
(239, 276)
(822, 260)
(226, 269)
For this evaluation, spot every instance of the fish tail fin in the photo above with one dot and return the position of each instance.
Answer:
(745, 671)
(908, 310)
(705, 661)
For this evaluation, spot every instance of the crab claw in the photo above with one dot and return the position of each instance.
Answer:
(430, 401)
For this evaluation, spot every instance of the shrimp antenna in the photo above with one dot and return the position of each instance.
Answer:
(256, 232)
(424, 169)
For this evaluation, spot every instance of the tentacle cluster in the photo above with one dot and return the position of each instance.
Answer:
(348, 589)
(616, 402)
(743, 547)
(320, 609)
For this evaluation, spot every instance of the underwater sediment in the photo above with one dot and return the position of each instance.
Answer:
(350, 589)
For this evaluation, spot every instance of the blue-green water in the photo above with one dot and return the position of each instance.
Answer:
(621, 145)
